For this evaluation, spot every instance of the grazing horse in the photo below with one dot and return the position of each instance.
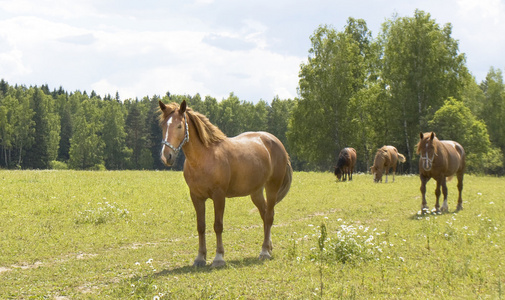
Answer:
(440, 160)
(217, 167)
(345, 164)
(385, 158)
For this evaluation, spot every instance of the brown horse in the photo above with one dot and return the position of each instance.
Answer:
(385, 159)
(217, 167)
(345, 164)
(440, 160)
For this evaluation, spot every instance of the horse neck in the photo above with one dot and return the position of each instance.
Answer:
(439, 146)
(194, 149)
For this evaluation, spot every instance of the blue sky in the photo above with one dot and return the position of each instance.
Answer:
(251, 48)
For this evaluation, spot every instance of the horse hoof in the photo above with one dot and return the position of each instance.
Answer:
(460, 207)
(218, 264)
(425, 210)
(265, 256)
(199, 263)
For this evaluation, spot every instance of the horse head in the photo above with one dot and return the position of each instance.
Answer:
(427, 149)
(377, 174)
(174, 127)
(338, 173)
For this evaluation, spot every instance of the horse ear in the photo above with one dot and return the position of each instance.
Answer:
(162, 105)
(432, 135)
(421, 135)
(182, 108)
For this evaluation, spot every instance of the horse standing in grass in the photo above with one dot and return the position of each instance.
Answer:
(385, 159)
(217, 167)
(345, 164)
(440, 160)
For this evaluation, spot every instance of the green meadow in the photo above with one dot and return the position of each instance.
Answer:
(132, 235)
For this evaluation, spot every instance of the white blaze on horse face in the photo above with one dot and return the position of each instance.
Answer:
(427, 162)
(169, 121)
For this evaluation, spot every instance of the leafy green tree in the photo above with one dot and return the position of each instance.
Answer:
(493, 107)
(154, 136)
(278, 118)
(5, 134)
(136, 133)
(114, 136)
(16, 126)
(231, 118)
(210, 109)
(86, 146)
(38, 156)
(54, 126)
(66, 133)
(370, 128)
(473, 96)
(336, 70)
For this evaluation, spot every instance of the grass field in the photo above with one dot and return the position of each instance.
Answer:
(95, 235)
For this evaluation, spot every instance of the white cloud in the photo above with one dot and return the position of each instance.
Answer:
(253, 49)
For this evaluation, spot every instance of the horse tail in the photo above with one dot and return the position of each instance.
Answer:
(286, 184)
(401, 157)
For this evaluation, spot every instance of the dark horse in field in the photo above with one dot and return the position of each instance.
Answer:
(385, 159)
(440, 160)
(217, 167)
(345, 164)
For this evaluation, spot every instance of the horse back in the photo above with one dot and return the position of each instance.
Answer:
(346, 158)
(455, 157)
(352, 156)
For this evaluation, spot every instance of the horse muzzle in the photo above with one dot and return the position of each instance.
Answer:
(427, 167)
(168, 157)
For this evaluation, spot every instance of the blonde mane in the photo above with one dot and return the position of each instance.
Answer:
(208, 133)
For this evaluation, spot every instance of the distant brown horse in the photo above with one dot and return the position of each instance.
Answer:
(440, 160)
(345, 164)
(217, 167)
(385, 159)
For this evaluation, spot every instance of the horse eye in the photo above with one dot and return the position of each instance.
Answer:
(180, 126)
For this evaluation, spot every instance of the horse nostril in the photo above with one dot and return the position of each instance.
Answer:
(169, 156)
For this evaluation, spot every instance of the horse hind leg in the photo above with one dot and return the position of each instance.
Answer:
(460, 191)
(259, 200)
(272, 190)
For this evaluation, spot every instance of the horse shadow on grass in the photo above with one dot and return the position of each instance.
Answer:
(420, 216)
(238, 263)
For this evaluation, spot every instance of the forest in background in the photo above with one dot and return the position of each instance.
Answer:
(355, 90)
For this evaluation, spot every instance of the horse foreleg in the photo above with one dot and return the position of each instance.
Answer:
(424, 205)
(460, 191)
(219, 204)
(445, 206)
(199, 205)
(437, 195)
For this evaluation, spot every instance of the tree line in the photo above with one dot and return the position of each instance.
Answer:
(355, 90)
